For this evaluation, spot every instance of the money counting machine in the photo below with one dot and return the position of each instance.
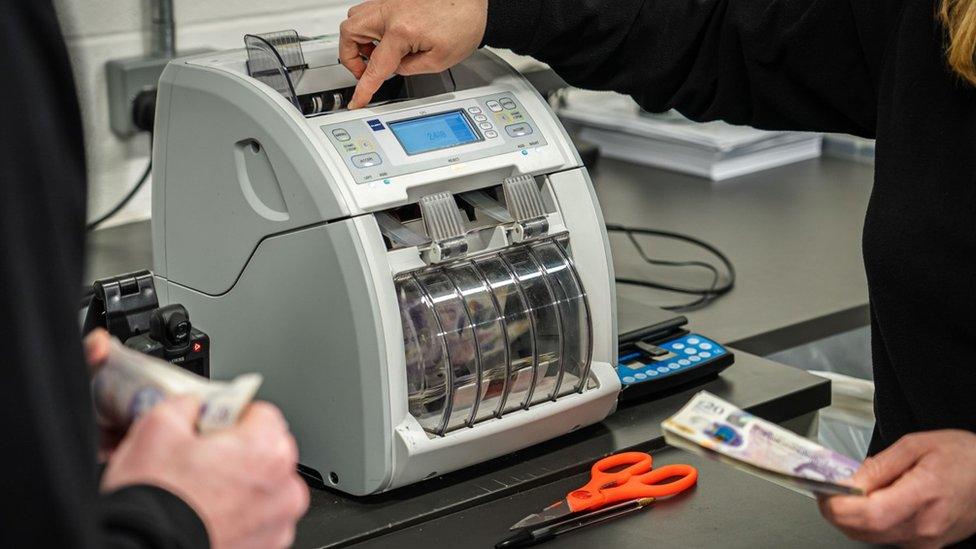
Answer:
(425, 283)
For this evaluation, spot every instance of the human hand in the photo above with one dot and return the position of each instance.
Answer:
(415, 37)
(97, 345)
(921, 492)
(241, 481)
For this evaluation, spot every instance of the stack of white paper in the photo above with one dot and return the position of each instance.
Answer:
(714, 150)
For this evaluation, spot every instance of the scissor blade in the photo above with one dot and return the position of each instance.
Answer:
(553, 512)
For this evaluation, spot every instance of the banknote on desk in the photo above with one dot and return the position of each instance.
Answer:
(711, 427)
(130, 383)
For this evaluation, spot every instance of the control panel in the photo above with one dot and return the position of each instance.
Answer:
(379, 147)
(647, 368)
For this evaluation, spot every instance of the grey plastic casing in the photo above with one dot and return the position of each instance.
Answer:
(261, 230)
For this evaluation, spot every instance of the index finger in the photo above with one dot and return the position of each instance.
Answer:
(97, 345)
(382, 64)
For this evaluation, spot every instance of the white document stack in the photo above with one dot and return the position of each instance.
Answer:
(714, 150)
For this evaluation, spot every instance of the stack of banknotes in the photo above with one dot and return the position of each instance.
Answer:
(130, 383)
(711, 427)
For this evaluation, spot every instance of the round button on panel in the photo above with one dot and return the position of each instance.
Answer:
(691, 351)
(674, 366)
(629, 379)
(695, 359)
(485, 126)
(678, 346)
(706, 346)
(651, 373)
(640, 376)
(684, 362)
(480, 118)
(663, 369)
(491, 134)
(474, 110)
(705, 354)
(693, 341)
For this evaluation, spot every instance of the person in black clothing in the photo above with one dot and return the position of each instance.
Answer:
(164, 485)
(874, 68)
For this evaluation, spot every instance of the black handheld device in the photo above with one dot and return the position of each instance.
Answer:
(127, 306)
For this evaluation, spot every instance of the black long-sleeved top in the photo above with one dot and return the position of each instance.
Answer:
(48, 475)
(873, 68)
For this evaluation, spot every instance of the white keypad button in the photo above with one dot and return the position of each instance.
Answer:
(491, 134)
(663, 369)
(693, 341)
(629, 379)
(494, 106)
(691, 351)
(694, 358)
(474, 110)
(678, 346)
(640, 376)
(706, 346)
(485, 126)
(480, 118)
(674, 366)
(652, 373)
(705, 354)
(684, 362)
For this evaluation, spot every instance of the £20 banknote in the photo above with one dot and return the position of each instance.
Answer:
(712, 427)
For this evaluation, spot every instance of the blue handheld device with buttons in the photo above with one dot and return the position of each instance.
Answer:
(657, 353)
(645, 368)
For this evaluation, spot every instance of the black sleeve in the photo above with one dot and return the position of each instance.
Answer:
(774, 64)
(147, 516)
(49, 480)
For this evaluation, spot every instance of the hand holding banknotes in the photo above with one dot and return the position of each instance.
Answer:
(240, 479)
(921, 492)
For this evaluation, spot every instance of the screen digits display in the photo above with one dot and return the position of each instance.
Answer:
(433, 132)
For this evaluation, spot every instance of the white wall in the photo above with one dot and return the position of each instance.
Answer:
(97, 31)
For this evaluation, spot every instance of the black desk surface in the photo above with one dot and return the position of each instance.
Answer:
(728, 509)
(767, 389)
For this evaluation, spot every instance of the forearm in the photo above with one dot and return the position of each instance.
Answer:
(782, 64)
(583, 40)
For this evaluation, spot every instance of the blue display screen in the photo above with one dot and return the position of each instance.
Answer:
(437, 131)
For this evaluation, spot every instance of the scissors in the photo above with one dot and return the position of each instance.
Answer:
(634, 481)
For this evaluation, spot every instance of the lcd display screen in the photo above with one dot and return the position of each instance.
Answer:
(434, 132)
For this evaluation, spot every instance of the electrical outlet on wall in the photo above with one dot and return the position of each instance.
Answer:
(126, 79)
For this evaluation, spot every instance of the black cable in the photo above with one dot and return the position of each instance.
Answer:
(86, 297)
(143, 113)
(125, 200)
(706, 295)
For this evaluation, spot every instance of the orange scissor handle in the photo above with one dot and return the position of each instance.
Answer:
(636, 480)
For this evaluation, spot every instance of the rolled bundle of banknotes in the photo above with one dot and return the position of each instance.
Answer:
(709, 426)
(130, 383)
